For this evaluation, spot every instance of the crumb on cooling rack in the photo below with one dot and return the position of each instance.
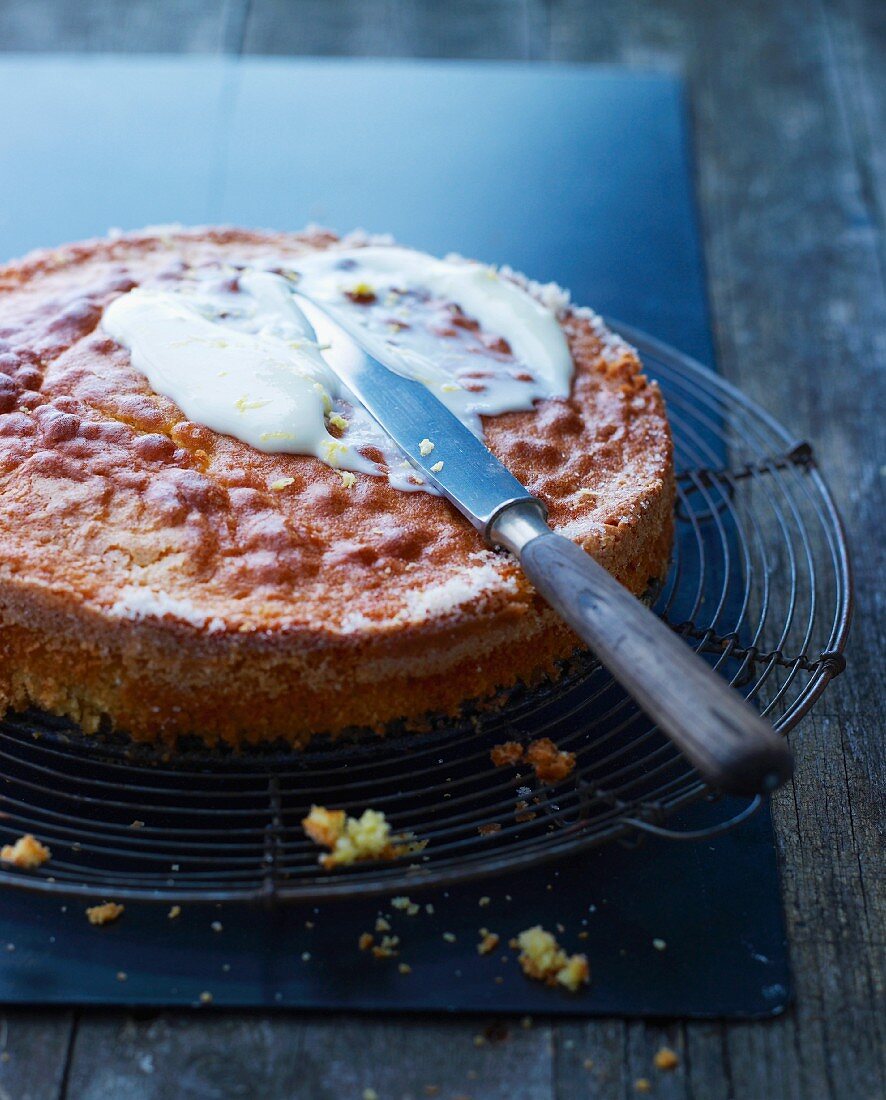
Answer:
(508, 752)
(27, 853)
(550, 764)
(490, 829)
(488, 941)
(666, 1059)
(642, 1085)
(356, 839)
(542, 958)
(522, 812)
(105, 913)
(175, 911)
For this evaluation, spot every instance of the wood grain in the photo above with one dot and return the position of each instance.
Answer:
(140, 26)
(789, 104)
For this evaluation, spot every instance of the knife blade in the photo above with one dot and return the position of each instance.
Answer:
(471, 477)
(730, 744)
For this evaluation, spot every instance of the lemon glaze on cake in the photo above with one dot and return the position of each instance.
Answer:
(170, 579)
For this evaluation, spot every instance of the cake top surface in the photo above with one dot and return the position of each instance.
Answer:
(111, 497)
(232, 347)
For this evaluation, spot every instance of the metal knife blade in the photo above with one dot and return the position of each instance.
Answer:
(472, 478)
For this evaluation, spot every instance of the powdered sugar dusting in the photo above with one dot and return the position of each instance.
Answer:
(480, 580)
(138, 603)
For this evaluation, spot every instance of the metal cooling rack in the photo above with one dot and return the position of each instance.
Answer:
(760, 585)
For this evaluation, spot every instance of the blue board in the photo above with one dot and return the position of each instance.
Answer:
(581, 175)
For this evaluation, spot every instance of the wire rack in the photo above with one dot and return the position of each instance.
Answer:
(760, 585)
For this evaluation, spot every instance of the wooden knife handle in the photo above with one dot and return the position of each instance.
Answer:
(730, 744)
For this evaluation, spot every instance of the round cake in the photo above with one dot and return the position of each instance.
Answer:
(162, 577)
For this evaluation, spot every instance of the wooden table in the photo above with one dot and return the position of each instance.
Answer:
(789, 100)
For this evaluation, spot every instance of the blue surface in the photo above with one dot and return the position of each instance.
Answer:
(574, 174)
(580, 175)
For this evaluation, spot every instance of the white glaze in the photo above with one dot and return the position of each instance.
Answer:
(247, 364)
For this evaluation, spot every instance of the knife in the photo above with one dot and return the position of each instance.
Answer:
(730, 744)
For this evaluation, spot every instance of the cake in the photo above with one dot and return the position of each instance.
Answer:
(162, 577)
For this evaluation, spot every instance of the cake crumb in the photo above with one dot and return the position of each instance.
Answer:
(405, 905)
(356, 839)
(216, 926)
(659, 944)
(282, 483)
(488, 830)
(509, 752)
(425, 447)
(27, 853)
(404, 968)
(121, 975)
(348, 479)
(542, 958)
(522, 812)
(488, 942)
(387, 949)
(437, 467)
(484, 901)
(666, 1059)
(175, 911)
(642, 1085)
(366, 941)
(105, 913)
(549, 763)
(449, 937)
(338, 421)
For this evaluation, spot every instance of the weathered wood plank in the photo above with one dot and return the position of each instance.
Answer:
(179, 1055)
(139, 26)
(858, 33)
(385, 28)
(34, 1047)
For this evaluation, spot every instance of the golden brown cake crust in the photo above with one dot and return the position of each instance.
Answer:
(149, 574)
